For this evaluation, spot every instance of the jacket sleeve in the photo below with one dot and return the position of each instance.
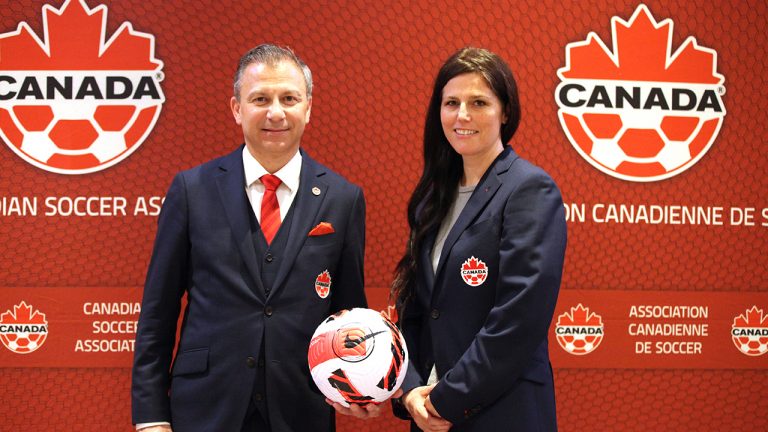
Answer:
(167, 280)
(410, 326)
(532, 249)
(350, 278)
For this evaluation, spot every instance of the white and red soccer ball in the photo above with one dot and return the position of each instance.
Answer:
(358, 357)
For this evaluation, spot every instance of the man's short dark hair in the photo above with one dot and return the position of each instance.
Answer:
(271, 55)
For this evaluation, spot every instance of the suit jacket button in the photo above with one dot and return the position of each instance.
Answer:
(250, 362)
(435, 314)
(268, 311)
(258, 397)
(269, 258)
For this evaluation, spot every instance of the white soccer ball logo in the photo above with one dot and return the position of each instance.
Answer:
(24, 342)
(80, 136)
(651, 144)
(65, 123)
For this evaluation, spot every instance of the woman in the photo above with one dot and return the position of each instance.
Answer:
(477, 286)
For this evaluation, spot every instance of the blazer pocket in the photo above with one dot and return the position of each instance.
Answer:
(321, 240)
(190, 362)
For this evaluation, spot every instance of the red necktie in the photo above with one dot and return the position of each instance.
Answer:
(270, 209)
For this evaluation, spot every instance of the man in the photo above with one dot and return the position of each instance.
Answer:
(266, 243)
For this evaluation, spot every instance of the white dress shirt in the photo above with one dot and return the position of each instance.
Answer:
(289, 175)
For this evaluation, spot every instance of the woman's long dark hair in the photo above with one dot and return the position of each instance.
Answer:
(443, 168)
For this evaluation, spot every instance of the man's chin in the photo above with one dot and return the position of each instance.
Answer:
(273, 148)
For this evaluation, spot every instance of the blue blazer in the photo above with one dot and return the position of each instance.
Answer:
(489, 340)
(204, 249)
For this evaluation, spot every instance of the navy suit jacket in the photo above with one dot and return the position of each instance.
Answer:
(204, 248)
(489, 342)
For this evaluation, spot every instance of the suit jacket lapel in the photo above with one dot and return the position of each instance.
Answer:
(231, 184)
(306, 205)
(483, 193)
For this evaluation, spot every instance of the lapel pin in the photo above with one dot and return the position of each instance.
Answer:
(316, 191)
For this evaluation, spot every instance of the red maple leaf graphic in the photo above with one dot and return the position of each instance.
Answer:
(473, 264)
(579, 316)
(74, 39)
(324, 277)
(642, 50)
(754, 318)
(22, 314)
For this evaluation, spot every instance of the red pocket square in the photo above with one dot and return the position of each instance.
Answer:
(322, 228)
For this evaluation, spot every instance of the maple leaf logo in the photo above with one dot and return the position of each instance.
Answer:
(579, 316)
(641, 53)
(754, 318)
(750, 332)
(474, 271)
(324, 277)
(24, 330)
(579, 331)
(76, 101)
(473, 264)
(74, 39)
(22, 314)
(323, 284)
(639, 111)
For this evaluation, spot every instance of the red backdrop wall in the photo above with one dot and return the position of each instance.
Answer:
(374, 63)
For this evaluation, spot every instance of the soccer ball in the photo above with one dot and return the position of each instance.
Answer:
(357, 357)
(76, 138)
(640, 147)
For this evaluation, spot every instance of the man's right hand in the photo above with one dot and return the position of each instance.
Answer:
(415, 401)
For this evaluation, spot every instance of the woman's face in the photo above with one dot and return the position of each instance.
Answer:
(472, 115)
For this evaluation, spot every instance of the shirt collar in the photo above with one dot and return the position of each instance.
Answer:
(289, 174)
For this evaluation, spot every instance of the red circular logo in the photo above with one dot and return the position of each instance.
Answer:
(73, 102)
(579, 331)
(474, 272)
(24, 329)
(640, 112)
(750, 332)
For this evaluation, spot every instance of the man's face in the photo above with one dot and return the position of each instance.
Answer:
(273, 109)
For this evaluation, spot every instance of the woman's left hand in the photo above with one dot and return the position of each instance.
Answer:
(431, 408)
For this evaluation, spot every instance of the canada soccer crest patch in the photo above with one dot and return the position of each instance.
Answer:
(579, 331)
(474, 272)
(750, 332)
(323, 284)
(24, 329)
(640, 112)
(74, 102)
